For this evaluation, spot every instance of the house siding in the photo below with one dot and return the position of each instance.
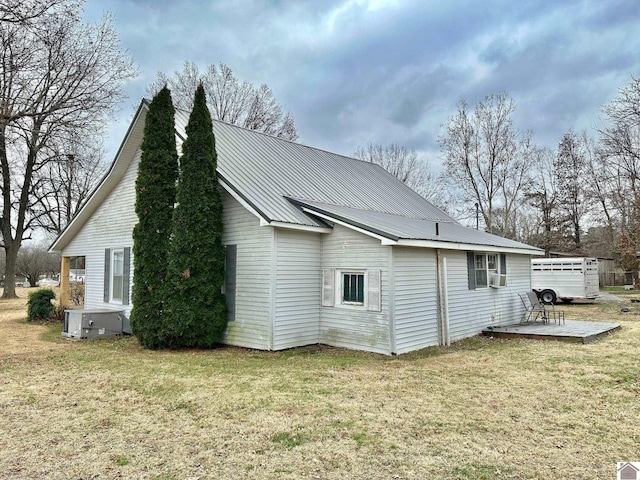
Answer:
(252, 325)
(349, 327)
(298, 289)
(415, 298)
(111, 226)
(470, 311)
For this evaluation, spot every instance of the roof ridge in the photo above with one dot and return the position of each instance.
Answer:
(300, 144)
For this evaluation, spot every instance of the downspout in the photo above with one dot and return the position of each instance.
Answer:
(439, 300)
(443, 299)
(446, 301)
(273, 273)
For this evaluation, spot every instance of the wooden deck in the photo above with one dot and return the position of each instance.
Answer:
(573, 331)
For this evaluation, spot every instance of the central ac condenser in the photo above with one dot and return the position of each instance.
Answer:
(93, 323)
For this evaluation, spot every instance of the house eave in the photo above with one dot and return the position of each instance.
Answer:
(300, 227)
(442, 244)
(384, 240)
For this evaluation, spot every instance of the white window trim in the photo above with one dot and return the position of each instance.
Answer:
(112, 299)
(333, 288)
(495, 273)
(339, 301)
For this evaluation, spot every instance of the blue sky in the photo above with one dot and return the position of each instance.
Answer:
(357, 71)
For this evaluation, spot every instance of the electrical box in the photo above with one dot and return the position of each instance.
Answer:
(93, 323)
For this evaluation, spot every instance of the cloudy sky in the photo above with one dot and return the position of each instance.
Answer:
(359, 71)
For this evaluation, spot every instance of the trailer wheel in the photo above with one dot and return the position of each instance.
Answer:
(548, 296)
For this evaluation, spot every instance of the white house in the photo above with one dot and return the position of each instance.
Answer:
(321, 248)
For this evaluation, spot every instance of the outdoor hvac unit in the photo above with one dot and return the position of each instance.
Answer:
(93, 323)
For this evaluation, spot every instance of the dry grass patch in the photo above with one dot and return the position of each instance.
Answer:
(482, 409)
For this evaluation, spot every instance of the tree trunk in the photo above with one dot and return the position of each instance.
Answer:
(11, 255)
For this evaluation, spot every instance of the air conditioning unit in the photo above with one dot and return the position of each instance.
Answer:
(93, 323)
(497, 280)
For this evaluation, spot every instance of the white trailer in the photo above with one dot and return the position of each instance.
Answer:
(564, 278)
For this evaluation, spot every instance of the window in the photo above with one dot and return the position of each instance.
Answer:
(481, 270)
(487, 270)
(353, 288)
(117, 272)
(116, 275)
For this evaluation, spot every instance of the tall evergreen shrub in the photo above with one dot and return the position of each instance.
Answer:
(197, 309)
(155, 199)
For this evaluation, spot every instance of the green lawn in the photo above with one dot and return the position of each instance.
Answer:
(481, 409)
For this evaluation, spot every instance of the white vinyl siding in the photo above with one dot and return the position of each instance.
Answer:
(252, 325)
(355, 327)
(298, 280)
(470, 311)
(110, 227)
(416, 302)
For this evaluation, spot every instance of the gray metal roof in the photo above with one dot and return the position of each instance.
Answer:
(279, 179)
(398, 227)
(265, 170)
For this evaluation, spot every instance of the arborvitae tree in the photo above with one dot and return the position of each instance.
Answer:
(196, 316)
(155, 198)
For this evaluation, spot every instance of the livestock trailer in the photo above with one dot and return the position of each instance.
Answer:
(564, 278)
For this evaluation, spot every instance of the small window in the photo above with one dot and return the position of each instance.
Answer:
(353, 288)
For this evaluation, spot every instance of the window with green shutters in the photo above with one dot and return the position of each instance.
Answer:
(116, 275)
(117, 272)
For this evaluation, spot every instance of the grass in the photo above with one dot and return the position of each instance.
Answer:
(481, 409)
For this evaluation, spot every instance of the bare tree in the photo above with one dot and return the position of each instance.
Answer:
(64, 184)
(25, 11)
(542, 193)
(59, 77)
(228, 100)
(34, 261)
(600, 186)
(404, 164)
(620, 147)
(570, 170)
(487, 160)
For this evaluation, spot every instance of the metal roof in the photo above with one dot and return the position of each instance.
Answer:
(397, 227)
(265, 170)
(293, 183)
(289, 183)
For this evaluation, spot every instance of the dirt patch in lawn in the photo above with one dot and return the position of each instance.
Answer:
(17, 336)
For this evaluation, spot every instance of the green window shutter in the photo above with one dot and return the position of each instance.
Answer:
(374, 280)
(107, 274)
(231, 252)
(125, 275)
(503, 264)
(471, 266)
(328, 287)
